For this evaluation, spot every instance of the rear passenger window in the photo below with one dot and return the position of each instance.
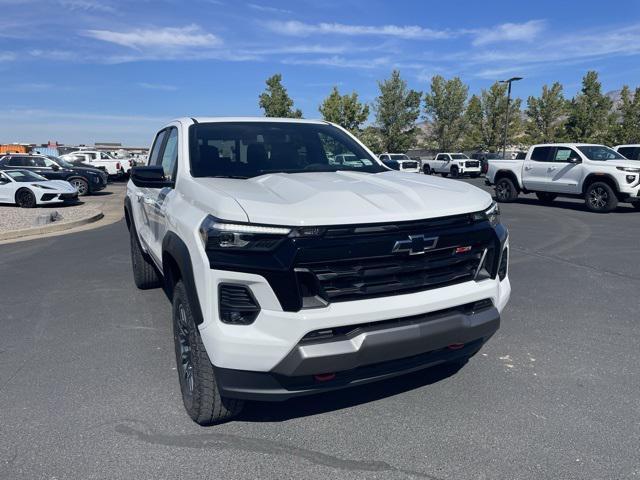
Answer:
(541, 154)
(155, 150)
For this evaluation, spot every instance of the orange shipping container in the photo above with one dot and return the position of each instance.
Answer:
(8, 148)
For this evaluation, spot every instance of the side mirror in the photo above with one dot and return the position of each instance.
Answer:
(150, 176)
(55, 167)
(574, 160)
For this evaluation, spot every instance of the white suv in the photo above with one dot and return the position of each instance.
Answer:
(291, 274)
(596, 173)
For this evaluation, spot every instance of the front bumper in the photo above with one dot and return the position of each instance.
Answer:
(366, 353)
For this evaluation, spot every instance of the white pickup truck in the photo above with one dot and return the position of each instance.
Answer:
(454, 164)
(596, 173)
(113, 166)
(291, 273)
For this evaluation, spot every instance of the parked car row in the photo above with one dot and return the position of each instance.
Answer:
(601, 175)
(86, 180)
(113, 166)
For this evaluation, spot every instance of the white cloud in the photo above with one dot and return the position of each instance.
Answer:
(168, 37)
(509, 32)
(264, 8)
(7, 56)
(86, 5)
(158, 86)
(300, 29)
(340, 62)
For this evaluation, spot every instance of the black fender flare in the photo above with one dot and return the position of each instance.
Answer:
(600, 177)
(174, 247)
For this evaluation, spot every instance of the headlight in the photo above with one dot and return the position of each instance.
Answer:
(491, 214)
(219, 235)
(629, 169)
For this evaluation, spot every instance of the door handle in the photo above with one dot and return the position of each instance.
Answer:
(551, 169)
(528, 168)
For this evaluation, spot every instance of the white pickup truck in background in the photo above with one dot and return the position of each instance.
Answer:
(113, 166)
(596, 173)
(454, 164)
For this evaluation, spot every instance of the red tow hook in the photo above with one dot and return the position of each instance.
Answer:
(324, 377)
(455, 346)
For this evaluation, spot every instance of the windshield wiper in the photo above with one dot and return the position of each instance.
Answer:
(228, 176)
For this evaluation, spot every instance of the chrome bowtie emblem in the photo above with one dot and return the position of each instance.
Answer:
(415, 245)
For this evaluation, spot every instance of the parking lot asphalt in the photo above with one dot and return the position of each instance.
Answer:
(88, 387)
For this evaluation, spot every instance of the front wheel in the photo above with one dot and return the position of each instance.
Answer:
(455, 173)
(505, 190)
(427, 170)
(200, 393)
(546, 197)
(600, 197)
(25, 198)
(81, 185)
(145, 275)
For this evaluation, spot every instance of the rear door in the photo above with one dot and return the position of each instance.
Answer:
(564, 176)
(535, 169)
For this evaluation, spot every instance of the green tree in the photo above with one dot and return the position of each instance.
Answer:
(473, 120)
(397, 109)
(486, 115)
(627, 125)
(275, 100)
(444, 108)
(546, 115)
(345, 110)
(589, 112)
(370, 136)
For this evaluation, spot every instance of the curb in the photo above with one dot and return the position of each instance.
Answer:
(52, 227)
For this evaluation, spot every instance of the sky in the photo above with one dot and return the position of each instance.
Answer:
(81, 71)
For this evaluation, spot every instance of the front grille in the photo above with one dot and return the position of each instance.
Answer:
(68, 196)
(367, 278)
(472, 164)
(407, 165)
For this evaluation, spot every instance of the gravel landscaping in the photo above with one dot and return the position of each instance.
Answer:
(16, 219)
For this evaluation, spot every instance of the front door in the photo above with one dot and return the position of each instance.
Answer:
(564, 174)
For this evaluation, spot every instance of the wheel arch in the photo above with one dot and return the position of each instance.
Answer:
(500, 174)
(600, 177)
(22, 189)
(176, 266)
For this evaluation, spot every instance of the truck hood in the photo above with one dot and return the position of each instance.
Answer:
(339, 198)
(617, 163)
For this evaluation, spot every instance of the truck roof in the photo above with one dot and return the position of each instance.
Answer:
(189, 120)
(566, 144)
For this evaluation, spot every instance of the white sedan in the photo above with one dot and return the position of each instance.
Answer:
(27, 189)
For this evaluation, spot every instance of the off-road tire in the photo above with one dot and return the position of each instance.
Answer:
(426, 170)
(200, 393)
(455, 172)
(600, 198)
(505, 190)
(145, 274)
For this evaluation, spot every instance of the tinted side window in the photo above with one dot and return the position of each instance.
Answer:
(157, 145)
(38, 162)
(630, 152)
(541, 154)
(563, 154)
(169, 158)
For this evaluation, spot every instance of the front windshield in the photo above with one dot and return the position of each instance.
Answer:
(60, 161)
(459, 156)
(600, 152)
(399, 157)
(250, 149)
(24, 176)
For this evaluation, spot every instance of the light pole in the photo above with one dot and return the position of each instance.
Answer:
(506, 120)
